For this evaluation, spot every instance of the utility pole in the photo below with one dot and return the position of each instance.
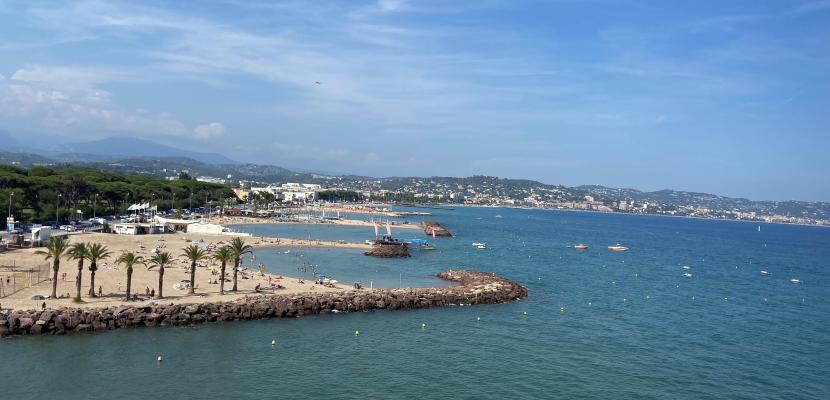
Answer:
(93, 205)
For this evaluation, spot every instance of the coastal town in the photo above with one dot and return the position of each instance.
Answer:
(494, 192)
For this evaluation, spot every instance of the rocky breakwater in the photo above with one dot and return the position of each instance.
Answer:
(433, 228)
(473, 288)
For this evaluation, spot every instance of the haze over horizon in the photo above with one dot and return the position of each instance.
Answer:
(728, 99)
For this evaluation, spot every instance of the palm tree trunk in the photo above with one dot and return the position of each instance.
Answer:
(192, 278)
(78, 280)
(161, 282)
(92, 283)
(55, 267)
(222, 279)
(129, 281)
(235, 271)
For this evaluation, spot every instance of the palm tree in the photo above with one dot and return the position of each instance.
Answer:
(195, 254)
(161, 260)
(55, 250)
(96, 252)
(129, 259)
(239, 248)
(223, 254)
(79, 251)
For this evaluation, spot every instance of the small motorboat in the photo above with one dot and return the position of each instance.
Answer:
(480, 245)
(795, 280)
(427, 246)
(686, 267)
(687, 274)
(581, 247)
(764, 272)
(618, 247)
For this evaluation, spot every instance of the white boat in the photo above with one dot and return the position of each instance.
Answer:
(481, 246)
(618, 247)
(686, 267)
(764, 272)
(476, 244)
(795, 280)
(686, 274)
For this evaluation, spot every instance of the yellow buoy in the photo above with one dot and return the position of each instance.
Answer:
(478, 319)
(423, 326)
(273, 343)
(589, 304)
(357, 333)
(158, 359)
(561, 309)
(624, 300)
(524, 313)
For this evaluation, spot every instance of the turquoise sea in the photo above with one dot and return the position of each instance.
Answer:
(599, 324)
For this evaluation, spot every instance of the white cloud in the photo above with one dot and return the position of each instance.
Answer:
(78, 109)
(67, 77)
(208, 131)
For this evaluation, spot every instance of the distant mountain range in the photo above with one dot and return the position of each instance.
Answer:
(106, 150)
(143, 157)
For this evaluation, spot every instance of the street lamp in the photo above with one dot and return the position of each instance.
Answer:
(57, 210)
(11, 194)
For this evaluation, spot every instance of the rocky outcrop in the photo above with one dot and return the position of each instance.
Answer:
(388, 248)
(473, 288)
(434, 228)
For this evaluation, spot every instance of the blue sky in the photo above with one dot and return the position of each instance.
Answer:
(727, 97)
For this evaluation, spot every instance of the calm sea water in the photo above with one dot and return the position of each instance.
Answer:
(599, 324)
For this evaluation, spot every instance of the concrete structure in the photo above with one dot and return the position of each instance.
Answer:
(40, 234)
(206, 228)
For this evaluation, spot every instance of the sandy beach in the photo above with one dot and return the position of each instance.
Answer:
(112, 277)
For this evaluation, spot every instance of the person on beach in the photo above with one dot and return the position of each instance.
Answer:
(153, 293)
(147, 291)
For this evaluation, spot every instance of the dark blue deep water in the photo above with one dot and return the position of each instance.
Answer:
(599, 324)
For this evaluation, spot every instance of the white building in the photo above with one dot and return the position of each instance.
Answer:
(293, 192)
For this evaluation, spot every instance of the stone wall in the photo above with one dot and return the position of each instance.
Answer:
(474, 288)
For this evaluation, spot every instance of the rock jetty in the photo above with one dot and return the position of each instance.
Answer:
(434, 228)
(473, 288)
